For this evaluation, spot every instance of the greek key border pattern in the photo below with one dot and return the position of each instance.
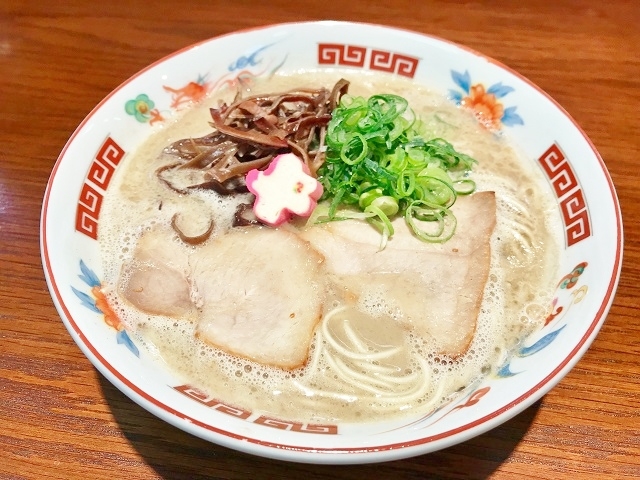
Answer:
(365, 57)
(95, 185)
(573, 204)
(246, 415)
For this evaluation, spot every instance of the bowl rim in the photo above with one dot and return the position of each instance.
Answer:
(375, 453)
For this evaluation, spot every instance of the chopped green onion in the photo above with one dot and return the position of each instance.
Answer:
(465, 186)
(421, 215)
(378, 160)
(381, 220)
(354, 150)
(387, 205)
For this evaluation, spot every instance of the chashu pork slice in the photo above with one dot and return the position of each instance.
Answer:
(259, 291)
(156, 280)
(435, 289)
(254, 292)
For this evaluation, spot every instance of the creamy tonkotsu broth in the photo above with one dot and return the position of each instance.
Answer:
(365, 359)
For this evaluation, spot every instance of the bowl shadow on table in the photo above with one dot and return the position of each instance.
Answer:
(175, 455)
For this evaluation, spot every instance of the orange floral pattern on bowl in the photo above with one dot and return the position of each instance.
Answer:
(484, 102)
(240, 73)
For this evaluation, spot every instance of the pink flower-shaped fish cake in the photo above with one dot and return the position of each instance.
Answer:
(284, 189)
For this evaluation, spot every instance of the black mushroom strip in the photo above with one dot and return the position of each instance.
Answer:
(191, 240)
(248, 134)
(244, 216)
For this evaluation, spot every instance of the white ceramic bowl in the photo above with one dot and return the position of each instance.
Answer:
(589, 263)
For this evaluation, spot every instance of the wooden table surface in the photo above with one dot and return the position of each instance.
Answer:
(59, 418)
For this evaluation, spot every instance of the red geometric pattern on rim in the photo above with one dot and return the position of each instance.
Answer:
(89, 205)
(111, 152)
(208, 401)
(393, 63)
(356, 56)
(100, 173)
(296, 426)
(312, 428)
(338, 54)
(98, 178)
(575, 214)
(211, 402)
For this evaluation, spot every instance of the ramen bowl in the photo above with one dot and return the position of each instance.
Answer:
(589, 259)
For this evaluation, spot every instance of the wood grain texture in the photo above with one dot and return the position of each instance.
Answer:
(60, 418)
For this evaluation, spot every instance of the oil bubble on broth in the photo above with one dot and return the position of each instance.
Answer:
(365, 360)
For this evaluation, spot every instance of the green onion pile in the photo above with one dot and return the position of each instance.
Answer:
(378, 160)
